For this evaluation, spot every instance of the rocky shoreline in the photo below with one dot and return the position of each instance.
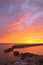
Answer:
(26, 59)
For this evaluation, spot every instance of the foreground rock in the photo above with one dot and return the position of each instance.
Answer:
(27, 59)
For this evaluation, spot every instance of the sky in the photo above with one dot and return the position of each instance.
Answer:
(21, 21)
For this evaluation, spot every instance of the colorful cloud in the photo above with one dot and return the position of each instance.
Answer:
(21, 21)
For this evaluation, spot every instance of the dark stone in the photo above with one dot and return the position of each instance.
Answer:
(13, 47)
(41, 61)
(16, 53)
(26, 55)
(8, 50)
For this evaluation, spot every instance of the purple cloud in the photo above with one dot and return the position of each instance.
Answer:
(16, 8)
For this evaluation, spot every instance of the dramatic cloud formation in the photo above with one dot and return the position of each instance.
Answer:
(21, 21)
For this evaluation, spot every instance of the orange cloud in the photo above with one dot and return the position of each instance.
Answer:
(23, 34)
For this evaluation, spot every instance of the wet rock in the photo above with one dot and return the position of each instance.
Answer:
(20, 62)
(27, 59)
(16, 53)
(8, 50)
(26, 55)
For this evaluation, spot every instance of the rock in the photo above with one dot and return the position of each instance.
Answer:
(16, 53)
(27, 59)
(8, 50)
(20, 62)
